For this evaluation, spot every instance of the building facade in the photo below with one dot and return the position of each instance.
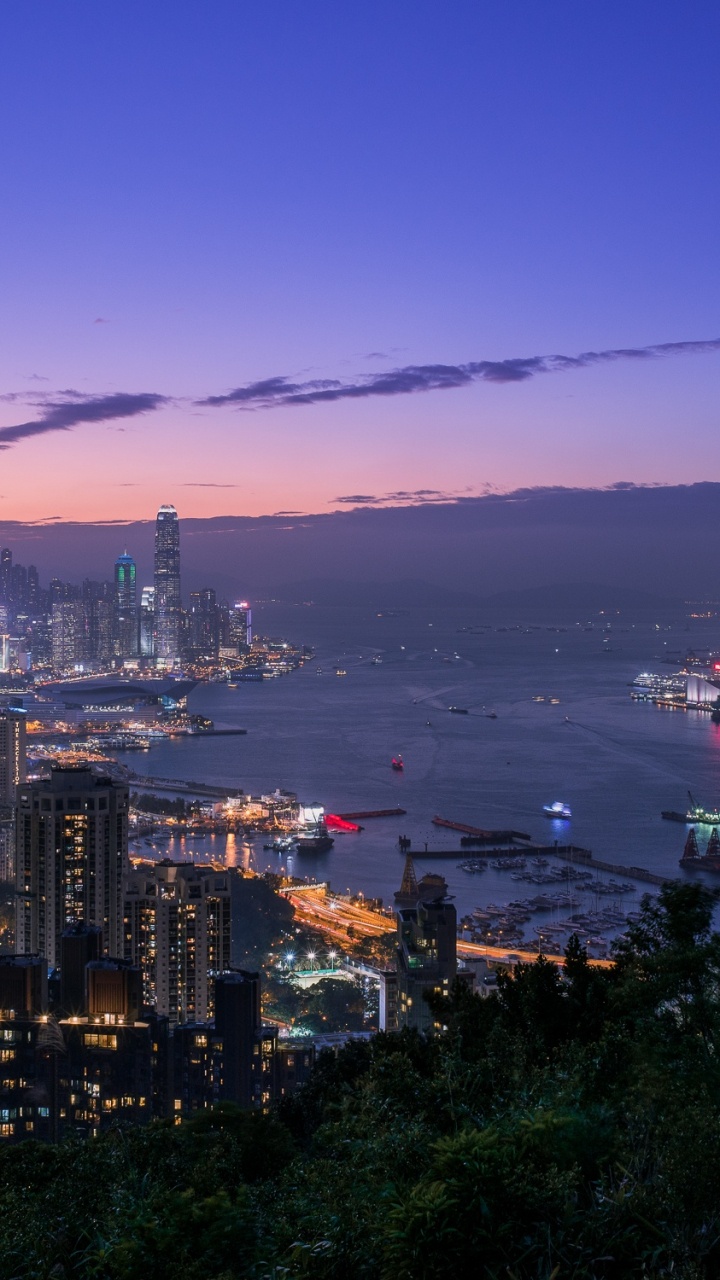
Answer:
(168, 604)
(71, 856)
(125, 608)
(147, 622)
(13, 752)
(178, 932)
(69, 635)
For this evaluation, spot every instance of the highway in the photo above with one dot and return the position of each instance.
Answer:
(333, 916)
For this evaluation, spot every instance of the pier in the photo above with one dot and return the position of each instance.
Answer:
(479, 835)
(568, 852)
(571, 853)
(178, 786)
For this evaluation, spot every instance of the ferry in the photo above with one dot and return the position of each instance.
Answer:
(557, 810)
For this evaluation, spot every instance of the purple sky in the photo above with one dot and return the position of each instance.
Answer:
(263, 258)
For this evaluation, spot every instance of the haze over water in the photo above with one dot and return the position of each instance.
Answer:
(618, 763)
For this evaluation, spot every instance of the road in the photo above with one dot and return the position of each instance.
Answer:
(333, 916)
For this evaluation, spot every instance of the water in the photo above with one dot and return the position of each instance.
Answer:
(331, 738)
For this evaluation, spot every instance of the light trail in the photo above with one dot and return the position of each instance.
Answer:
(334, 916)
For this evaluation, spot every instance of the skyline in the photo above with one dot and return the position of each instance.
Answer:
(333, 217)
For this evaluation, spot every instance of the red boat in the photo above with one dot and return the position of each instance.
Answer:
(397, 764)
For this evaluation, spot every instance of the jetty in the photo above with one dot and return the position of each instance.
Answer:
(480, 835)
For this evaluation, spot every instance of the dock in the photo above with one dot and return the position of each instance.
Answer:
(568, 852)
(584, 858)
(480, 835)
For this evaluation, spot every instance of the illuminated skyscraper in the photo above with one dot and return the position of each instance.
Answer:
(167, 585)
(126, 614)
(147, 622)
(69, 639)
(241, 626)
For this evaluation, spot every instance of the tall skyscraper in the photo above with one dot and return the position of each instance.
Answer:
(177, 930)
(147, 622)
(204, 623)
(125, 603)
(71, 856)
(69, 640)
(167, 585)
(240, 626)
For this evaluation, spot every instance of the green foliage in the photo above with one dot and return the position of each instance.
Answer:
(567, 1126)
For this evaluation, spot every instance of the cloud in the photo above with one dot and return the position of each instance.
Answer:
(410, 379)
(206, 484)
(67, 409)
(401, 498)
(73, 410)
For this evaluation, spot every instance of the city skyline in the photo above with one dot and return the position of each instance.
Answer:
(289, 254)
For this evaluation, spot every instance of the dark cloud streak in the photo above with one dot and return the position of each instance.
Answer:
(280, 391)
(74, 410)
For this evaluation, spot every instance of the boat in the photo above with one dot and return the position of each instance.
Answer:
(695, 813)
(312, 835)
(557, 810)
(397, 764)
(314, 844)
(281, 844)
(376, 660)
(458, 711)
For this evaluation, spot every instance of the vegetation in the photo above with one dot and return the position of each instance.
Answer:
(170, 807)
(568, 1126)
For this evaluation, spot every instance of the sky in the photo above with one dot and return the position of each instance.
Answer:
(260, 258)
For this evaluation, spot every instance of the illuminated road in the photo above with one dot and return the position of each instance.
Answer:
(333, 917)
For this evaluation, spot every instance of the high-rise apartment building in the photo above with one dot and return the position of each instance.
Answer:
(12, 752)
(125, 607)
(71, 857)
(178, 932)
(426, 960)
(13, 761)
(168, 609)
(147, 622)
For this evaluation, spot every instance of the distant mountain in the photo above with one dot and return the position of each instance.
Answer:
(408, 593)
(590, 597)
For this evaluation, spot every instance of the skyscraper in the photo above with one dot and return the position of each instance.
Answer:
(126, 614)
(69, 640)
(147, 622)
(167, 585)
(241, 626)
(204, 623)
(71, 856)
